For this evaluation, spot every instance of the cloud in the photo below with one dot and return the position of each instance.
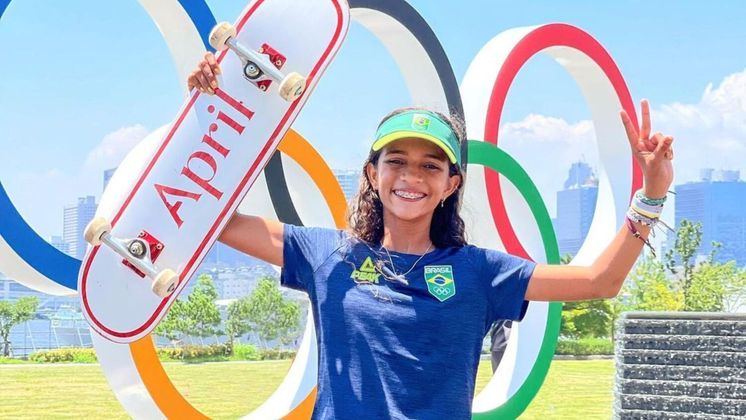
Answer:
(549, 130)
(114, 147)
(709, 133)
(546, 147)
(41, 196)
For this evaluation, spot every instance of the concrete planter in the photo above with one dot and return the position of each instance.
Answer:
(680, 365)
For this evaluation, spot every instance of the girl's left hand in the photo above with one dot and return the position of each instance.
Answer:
(654, 154)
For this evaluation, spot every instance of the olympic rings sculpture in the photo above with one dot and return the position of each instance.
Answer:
(299, 176)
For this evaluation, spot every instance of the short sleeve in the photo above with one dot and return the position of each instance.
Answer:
(507, 280)
(304, 249)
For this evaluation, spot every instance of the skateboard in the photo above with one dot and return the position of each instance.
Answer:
(145, 246)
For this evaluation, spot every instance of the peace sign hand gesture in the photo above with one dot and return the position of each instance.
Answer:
(653, 154)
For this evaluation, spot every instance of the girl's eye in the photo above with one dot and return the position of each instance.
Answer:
(395, 161)
(432, 166)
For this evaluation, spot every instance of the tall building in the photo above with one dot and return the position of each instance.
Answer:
(107, 176)
(76, 217)
(717, 202)
(576, 204)
(59, 243)
(349, 180)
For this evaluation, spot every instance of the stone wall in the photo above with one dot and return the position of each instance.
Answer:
(680, 365)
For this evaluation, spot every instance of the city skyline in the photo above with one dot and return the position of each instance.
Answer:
(235, 275)
(716, 201)
(572, 219)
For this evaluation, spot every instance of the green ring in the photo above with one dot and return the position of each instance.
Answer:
(490, 156)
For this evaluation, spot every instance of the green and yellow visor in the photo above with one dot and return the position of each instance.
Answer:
(419, 124)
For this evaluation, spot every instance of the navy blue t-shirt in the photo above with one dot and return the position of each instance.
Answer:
(389, 350)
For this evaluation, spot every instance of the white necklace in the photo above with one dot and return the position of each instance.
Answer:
(401, 277)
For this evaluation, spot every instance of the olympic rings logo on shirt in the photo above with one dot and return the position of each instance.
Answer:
(136, 376)
(441, 291)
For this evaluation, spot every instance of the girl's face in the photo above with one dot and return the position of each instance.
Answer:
(411, 178)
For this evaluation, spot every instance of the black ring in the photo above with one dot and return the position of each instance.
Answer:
(411, 20)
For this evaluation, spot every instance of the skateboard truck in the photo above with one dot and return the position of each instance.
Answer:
(138, 254)
(256, 64)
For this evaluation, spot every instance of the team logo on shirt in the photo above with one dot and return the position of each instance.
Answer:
(439, 279)
(366, 273)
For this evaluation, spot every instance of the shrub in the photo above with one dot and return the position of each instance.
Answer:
(584, 346)
(67, 355)
(245, 352)
(212, 352)
(221, 352)
(276, 354)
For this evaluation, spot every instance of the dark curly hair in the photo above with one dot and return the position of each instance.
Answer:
(365, 217)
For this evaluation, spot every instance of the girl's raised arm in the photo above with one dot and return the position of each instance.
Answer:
(604, 278)
(255, 236)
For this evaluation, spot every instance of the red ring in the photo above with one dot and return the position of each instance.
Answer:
(552, 35)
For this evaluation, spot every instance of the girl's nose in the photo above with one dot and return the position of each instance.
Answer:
(411, 174)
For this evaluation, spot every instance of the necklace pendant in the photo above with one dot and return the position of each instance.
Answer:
(399, 278)
(393, 275)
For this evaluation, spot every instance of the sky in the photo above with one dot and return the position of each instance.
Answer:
(81, 82)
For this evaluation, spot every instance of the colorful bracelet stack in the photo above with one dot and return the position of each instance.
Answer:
(645, 211)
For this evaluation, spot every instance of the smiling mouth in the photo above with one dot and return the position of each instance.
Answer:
(409, 195)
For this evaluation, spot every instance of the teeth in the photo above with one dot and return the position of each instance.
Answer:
(409, 195)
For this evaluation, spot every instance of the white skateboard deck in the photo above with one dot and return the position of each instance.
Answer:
(192, 183)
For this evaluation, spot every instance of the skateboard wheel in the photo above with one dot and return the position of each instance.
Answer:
(95, 230)
(165, 283)
(292, 87)
(220, 35)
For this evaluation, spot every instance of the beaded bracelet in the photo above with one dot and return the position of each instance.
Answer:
(641, 218)
(647, 208)
(645, 211)
(651, 201)
(639, 209)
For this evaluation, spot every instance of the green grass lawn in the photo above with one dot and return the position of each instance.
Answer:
(573, 389)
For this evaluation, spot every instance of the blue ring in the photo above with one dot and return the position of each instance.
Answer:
(202, 18)
(23, 240)
(405, 14)
(33, 249)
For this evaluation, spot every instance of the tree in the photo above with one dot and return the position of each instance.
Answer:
(705, 286)
(735, 292)
(713, 284)
(201, 310)
(648, 288)
(14, 313)
(587, 318)
(268, 312)
(289, 322)
(688, 239)
(237, 323)
(175, 324)
(590, 318)
(198, 315)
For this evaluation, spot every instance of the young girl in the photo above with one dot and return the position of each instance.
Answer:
(400, 301)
